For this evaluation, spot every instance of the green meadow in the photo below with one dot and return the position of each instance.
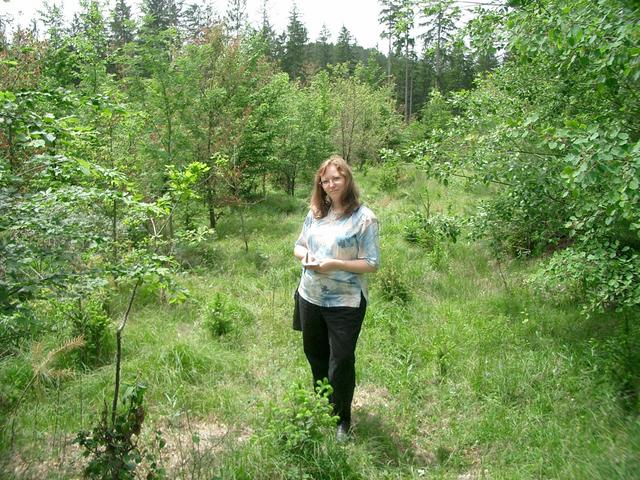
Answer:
(467, 368)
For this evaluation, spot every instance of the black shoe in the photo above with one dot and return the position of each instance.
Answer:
(342, 433)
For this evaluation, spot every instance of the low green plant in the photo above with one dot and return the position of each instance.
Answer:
(113, 448)
(389, 171)
(184, 361)
(221, 314)
(196, 248)
(17, 326)
(429, 230)
(90, 321)
(392, 285)
(304, 419)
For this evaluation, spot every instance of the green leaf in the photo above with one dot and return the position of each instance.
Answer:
(531, 119)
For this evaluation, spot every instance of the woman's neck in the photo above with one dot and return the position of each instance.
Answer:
(337, 207)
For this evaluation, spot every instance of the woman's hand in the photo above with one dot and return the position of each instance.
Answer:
(324, 266)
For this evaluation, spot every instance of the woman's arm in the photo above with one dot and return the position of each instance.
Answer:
(300, 251)
(353, 266)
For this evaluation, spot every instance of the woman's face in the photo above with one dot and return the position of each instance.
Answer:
(333, 183)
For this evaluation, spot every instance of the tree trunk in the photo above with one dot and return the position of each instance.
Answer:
(406, 84)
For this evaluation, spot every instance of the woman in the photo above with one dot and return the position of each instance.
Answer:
(339, 243)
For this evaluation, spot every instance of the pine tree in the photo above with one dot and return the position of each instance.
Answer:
(267, 33)
(294, 54)
(196, 19)
(122, 26)
(440, 17)
(324, 47)
(236, 17)
(405, 43)
(159, 15)
(344, 51)
(388, 17)
(458, 74)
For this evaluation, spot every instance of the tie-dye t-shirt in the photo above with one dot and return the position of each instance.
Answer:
(351, 237)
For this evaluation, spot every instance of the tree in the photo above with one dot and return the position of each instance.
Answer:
(196, 18)
(366, 117)
(556, 130)
(440, 17)
(486, 36)
(404, 22)
(160, 15)
(294, 48)
(267, 34)
(324, 47)
(458, 71)
(389, 17)
(60, 64)
(91, 44)
(122, 25)
(344, 53)
(235, 18)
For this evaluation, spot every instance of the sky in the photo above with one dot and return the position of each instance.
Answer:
(359, 16)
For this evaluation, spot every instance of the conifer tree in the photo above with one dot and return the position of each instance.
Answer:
(196, 18)
(324, 47)
(294, 51)
(235, 18)
(344, 51)
(159, 15)
(267, 33)
(405, 43)
(122, 25)
(440, 17)
(389, 16)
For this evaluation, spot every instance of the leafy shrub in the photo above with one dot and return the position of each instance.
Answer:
(521, 228)
(427, 231)
(113, 450)
(392, 285)
(599, 275)
(196, 248)
(304, 419)
(221, 314)
(80, 317)
(90, 321)
(16, 327)
(389, 171)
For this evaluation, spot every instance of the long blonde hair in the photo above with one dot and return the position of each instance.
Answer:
(320, 201)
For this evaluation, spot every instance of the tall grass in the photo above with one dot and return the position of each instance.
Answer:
(460, 374)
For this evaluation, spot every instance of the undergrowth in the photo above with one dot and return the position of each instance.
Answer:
(464, 369)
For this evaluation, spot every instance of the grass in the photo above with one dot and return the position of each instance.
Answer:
(459, 375)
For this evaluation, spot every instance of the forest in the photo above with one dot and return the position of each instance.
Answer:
(155, 171)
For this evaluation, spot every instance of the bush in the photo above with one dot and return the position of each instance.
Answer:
(392, 285)
(16, 327)
(90, 321)
(427, 231)
(221, 314)
(80, 317)
(113, 449)
(389, 171)
(305, 418)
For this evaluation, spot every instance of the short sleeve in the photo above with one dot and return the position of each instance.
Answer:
(369, 244)
(302, 238)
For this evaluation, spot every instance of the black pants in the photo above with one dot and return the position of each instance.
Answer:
(329, 337)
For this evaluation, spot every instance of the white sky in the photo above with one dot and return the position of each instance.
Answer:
(359, 16)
